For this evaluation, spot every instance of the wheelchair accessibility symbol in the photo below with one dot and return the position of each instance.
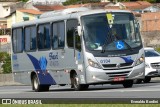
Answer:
(119, 45)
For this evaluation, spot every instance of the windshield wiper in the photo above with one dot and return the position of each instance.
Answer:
(129, 47)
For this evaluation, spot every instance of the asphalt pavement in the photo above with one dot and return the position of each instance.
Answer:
(144, 90)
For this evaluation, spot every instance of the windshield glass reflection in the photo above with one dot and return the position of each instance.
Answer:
(117, 32)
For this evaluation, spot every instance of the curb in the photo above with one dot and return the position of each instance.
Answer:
(10, 83)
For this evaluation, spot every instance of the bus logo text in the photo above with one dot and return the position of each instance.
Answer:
(53, 56)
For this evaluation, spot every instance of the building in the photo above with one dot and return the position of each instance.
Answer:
(22, 15)
(150, 28)
(46, 8)
(27, 14)
(150, 21)
(5, 41)
(138, 6)
(9, 6)
(100, 5)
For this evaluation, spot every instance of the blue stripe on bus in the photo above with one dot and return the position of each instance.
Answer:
(127, 59)
(44, 78)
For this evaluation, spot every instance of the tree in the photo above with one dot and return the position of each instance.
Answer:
(23, 0)
(69, 2)
(72, 2)
(5, 58)
(151, 1)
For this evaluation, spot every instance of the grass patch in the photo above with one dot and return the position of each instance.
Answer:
(85, 105)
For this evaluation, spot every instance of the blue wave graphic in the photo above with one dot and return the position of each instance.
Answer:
(41, 65)
(127, 59)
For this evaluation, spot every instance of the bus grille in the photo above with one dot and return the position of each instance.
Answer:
(155, 65)
(113, 66)
(118, 74)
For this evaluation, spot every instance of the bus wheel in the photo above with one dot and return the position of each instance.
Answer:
(35, 83)
(138, 81)
(76, 85)
(85, 86)
(37, 87)
(128, 83)
(45, 87)
(147, 79)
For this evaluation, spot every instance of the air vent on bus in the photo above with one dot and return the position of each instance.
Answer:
(62, 12)
(114, 66)
(118, 74)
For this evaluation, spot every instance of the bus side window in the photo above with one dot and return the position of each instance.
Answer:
(18, 40)
(30, 38)
(44, 36)
(71, 25)
(58, 35)
(14, 40)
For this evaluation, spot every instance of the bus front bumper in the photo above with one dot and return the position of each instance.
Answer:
(98, 76)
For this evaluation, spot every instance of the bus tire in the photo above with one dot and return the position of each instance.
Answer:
(85, 86)
(147, 79)
(128, 83)
(76, 85)
(36, 86)
(45, 87)
(138, 81)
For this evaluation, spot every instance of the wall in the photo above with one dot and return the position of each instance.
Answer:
(11, 20)
(20, 15)
(3, 10)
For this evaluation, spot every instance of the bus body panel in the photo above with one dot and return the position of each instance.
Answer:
(53, 66)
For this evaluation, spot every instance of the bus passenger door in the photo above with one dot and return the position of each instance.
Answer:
(68, 53)
(69, 57)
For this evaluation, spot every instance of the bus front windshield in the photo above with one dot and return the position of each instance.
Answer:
(112, 31)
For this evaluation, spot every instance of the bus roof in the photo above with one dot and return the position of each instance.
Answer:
(61, 15)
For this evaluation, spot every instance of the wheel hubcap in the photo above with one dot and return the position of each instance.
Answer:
(35, 83)
(76, 82)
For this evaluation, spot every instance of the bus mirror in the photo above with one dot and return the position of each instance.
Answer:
(79, 29)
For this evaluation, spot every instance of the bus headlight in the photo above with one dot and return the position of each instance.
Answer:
(140, 60)
(93, 64)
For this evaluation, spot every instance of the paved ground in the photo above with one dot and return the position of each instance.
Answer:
(150, 90)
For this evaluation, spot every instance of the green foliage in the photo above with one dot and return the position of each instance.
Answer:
(72, 2)
(151, 1)
(90, 1)
(81, 105)
(124, 0)
(6, 59)
(157, 49)
(23, 0)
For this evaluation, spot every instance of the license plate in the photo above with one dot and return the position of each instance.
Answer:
(118, 79)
